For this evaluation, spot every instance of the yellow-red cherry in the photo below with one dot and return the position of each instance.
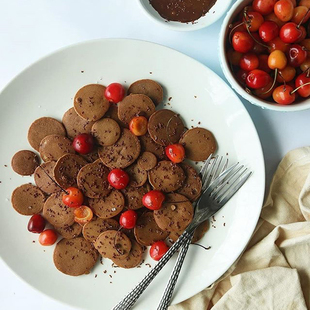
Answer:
(48, 237)
(73, 197)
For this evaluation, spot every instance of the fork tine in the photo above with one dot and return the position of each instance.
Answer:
(211, 173)
(205, 178)
(216, 172)
(235, 188)
(205, 165)
(220, 191)
(229, 178)
(220, 179)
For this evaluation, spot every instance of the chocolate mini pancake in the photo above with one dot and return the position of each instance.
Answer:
(91, 157)
(106, 131)
(166, 176)
(28, 199)
(147, 161)
(43, 127)
(133, 259)
(192, 185)
(90, 102)
(70, 232)
(42, 180)
(149, 88)
(135, 105)
(148, 145)
(25, 162)
(133, 196)
(109, 206)
(92, 179)
(123, 153)
(175, 214)
(137, 176)
(198, 234)
(165, 127)
(74, 257)
(199, 143)
(147, 231)
(56, 212)
(94, 228)
(67, 169)
(113, 244)
(75, 124)
(52, 147)
(200, 231)
(113, 113)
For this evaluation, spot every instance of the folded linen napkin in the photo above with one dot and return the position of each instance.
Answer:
(274, 271)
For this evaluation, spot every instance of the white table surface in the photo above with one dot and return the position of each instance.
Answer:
(33, 28)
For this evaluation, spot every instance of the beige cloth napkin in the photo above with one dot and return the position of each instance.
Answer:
(274, 271)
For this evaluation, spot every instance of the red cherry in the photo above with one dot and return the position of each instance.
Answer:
(254, 20)
(296, 55)
(175, 152)
(283, 94)
(153, 200)
(241, 76)
(302, 79)
(83, 143)
(118, 178)
(264, 7)
(290, 33)
(257, 79)
(114, 92)
(242, 42)
(249, 62)
(128, 219)
(263, 63)
(284, 10)
(36, 224)
(158, 250)
(48, 237)
(268, 31)
(74, 198)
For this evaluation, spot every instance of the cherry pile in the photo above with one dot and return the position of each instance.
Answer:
(269, 50)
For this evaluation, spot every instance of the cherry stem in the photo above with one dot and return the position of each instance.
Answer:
(273, 83)
(295, 90)
(206, 248)
(298, 26)
(231, 31)
(249, 32)
(67, 193)
(120, 253)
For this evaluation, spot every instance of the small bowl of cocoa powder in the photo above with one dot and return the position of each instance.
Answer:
(185, 15)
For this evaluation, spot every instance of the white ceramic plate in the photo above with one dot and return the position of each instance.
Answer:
(215, 13)
(47, 88)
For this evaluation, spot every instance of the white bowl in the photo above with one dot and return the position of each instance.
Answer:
(216, 12)
(230, 17)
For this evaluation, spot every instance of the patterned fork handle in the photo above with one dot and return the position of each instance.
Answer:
(129, 300)
(167, 295)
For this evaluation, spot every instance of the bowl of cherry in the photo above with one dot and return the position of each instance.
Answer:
(265, 52)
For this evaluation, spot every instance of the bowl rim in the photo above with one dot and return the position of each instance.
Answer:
(233, 11)
(183, 27)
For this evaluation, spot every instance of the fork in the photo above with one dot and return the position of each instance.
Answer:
(208, 175)
(213, 199)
